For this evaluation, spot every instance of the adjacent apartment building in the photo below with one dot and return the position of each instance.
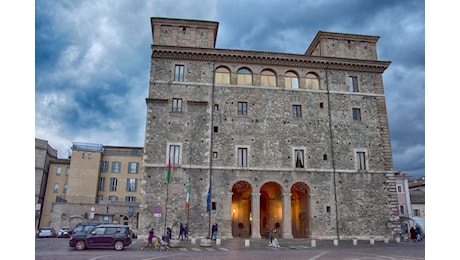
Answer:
(98, 184)
(256, 140)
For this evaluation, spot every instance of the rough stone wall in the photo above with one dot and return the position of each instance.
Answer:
(269, 131)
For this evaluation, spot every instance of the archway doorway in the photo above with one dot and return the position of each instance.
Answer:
(299, 210)
(241, 209)
(271, 207)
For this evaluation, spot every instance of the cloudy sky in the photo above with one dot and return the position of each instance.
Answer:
(92, 60)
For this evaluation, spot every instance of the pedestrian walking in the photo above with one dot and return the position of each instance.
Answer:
(150, 240)
(413, 234)
(214, 231)
(418, 231)
(181, 232)
(186, 231)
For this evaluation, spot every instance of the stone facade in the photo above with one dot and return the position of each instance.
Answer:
(291, 160)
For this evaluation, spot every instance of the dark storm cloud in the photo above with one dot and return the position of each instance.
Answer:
(92, 60)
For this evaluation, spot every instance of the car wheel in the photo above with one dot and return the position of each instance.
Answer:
(118, 245)
(80, 245)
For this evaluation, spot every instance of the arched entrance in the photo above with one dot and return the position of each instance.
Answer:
(241, 209)
(271, 207)
(299, 210)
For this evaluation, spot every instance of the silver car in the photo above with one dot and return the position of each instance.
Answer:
(46, 232)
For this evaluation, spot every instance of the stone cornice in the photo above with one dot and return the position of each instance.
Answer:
(268, 58)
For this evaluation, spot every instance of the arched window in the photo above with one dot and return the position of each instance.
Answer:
(291, 80)
(244, 77)
(222, 76)
(312, 81)
(268, 78)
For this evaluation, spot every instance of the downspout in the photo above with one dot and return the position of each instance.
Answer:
(210, 149)
(332, 152)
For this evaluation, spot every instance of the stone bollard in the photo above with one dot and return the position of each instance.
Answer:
(372, 241)
(174, 243)
(193, 241)
(246, 242)
(386, 240)
(205, 242)
(313, 243)
(355, 241)
(336, 242)
(398, 240)
(218, 241)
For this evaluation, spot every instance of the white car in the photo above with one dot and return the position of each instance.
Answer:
(46, 232)
(65, 232)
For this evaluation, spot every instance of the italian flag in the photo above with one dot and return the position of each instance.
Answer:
(168, 177)
(187, 199)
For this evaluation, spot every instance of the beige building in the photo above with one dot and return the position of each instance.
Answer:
(96, 184)
(296, 142)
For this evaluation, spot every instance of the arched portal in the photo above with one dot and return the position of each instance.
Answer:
(241, 209)
(299, 210)
(271, 207)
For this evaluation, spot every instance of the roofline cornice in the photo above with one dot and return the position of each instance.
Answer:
(268, 58)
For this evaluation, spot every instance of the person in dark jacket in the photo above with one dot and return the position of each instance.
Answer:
(413, 234)
(214, 231)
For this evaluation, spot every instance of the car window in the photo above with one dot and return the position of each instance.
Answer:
(111, 230)
(99, 231)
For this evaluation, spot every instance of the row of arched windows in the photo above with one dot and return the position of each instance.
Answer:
(267, 78)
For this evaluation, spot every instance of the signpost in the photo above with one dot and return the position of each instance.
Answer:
(157, 214)
(92, 210)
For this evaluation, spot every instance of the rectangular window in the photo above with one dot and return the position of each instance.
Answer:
(132, 167)
(353, 82)
(65, 189)
(214, 154)
(242, 157)
(401, 209)
(116, 166)
(130, 198)
(58, 171)
(416, 213)
(299, 158)
(101, 183)
(179, 73)
(113, 184)
(174, 154)
(361, 160)
(131, 185)
(67, 171)
(242, 108)
(216, 108)
(99, 198)
(113, 198)
(399, 188)
(296, 111)
(177, 105)
(104, 166)
(356, 114)
(56, 188)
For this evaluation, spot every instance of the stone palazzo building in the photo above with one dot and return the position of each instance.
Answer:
(296, 142)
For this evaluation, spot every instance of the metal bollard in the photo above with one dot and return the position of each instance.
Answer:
(336, 242)
(313, 243)
(355, 241)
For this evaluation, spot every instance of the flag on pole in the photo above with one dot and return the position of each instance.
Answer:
(187, 199)
(168, 177)
(208, 200)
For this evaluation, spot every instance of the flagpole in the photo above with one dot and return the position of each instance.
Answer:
(168, 176)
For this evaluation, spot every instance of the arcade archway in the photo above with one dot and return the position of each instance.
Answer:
(300, 210)
(241, 209)
(271, 207)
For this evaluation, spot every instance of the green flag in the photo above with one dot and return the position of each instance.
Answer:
(168, 177)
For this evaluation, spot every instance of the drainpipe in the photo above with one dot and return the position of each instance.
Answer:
(332, 152)
(210, 149)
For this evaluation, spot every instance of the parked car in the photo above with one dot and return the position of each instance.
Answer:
(103, 236)
(65, 232)
(46, 232)
(85, 227)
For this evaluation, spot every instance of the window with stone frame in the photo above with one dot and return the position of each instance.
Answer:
(177, 105)
(113, 184)
(222, 76)
(268, 78)
(312, 81)
(174, 154)
(242, 108)
(356, 114)
(296, 111)
(299, 158)
(353, 83)
(244, 77)
(179, 73)
(242, 157)
(291, 80)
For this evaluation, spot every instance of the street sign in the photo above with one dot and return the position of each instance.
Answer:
(157, 209)
(92, 209)
(157, 215)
